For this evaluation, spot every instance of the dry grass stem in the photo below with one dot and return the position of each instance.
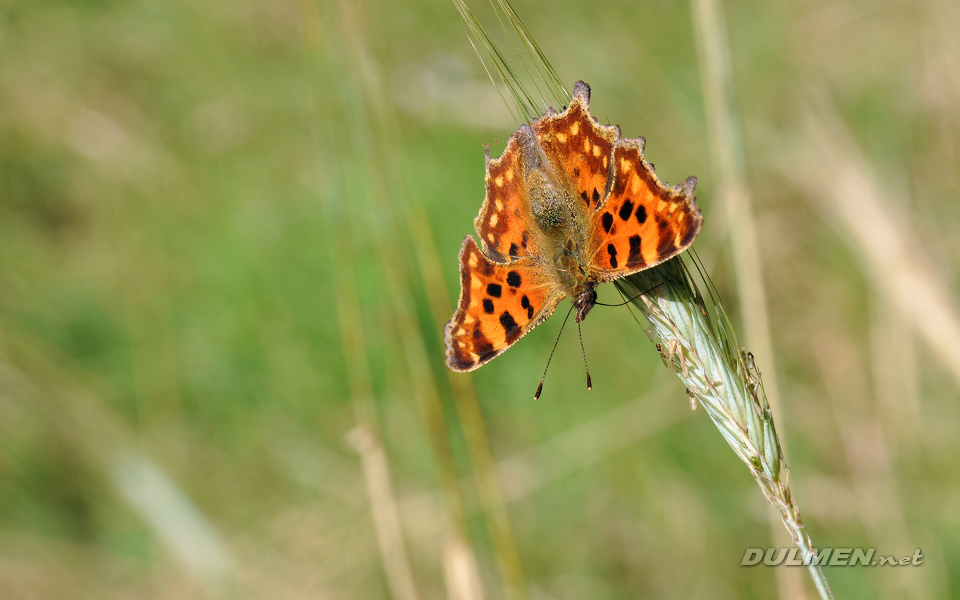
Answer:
(386, 519)
(894, 256)
(733, 194)
(726, 381)
(376, 128)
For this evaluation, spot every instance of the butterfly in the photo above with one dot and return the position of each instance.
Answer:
(569, 205)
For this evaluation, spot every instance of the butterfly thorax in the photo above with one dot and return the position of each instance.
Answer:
(551, 205)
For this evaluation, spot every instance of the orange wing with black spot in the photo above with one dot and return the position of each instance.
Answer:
(642, 222)
(499, 304)
(503, 224)
(578, 147)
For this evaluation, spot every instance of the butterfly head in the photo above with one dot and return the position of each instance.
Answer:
(585, 300)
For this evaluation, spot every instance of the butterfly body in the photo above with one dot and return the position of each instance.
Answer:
(559, 224)
(569, 205)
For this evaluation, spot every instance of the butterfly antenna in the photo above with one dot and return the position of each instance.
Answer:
(629, 300)
(540, 387)
(584, 353)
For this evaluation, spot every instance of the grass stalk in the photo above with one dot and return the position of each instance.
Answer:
(733, 194)
(724, 379)
(375, 130)
(702, 350)
(893, 255)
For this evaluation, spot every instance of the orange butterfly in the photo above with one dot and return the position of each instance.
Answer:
(569, 205)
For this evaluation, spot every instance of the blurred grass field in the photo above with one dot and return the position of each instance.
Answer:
(228, 240)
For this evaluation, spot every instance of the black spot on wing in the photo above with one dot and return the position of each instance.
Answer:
(485, 351)
(585, 197)
(509, 325)
(596, 196)
(635, 258)
(461, 363)
(486, 267)
(667, 245)
(494, 289)
(525, 303)
(626, 209)
(612, 251)
(641, 214)
(513, 279)
(488, 306)
(607, 220)
(514, 251)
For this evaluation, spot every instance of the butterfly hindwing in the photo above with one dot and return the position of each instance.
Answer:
(642, 222)
(499, 304)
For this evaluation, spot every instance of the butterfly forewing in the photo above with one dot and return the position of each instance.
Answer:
(503, 224)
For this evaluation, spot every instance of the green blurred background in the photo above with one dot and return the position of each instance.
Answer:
(228, 240)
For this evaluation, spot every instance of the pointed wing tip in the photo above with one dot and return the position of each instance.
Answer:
(581, 91)
(528, 146)
(465, 245)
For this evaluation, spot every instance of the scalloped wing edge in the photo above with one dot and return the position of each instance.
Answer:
(545, 312)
